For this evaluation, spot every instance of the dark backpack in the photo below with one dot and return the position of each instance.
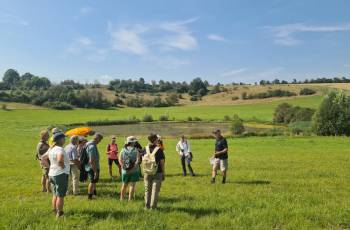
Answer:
(128, 161)
(84, 160)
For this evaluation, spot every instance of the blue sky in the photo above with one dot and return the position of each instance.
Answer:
(224, 40)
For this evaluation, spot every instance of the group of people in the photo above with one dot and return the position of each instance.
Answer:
(63, 167)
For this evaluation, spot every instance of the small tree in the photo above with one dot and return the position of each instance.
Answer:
(333, 116)
(147, 118)
(237, 126)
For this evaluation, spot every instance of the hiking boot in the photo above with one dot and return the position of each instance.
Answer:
(223, 180)
(95, 192)
(59, 214)
(90, 196)
(212, 180)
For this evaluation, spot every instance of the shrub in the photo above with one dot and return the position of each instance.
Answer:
(235, 98)
(227, 118)
(58, 105)
(196, 119)
(271, 93)
(307, 91)
(194, 98)
(164, 117)
(189, 119)
(4, 107)
(112, 122)
(147, 118)
(286, 113)
(333, 116)
(237, 127)
(301, 127)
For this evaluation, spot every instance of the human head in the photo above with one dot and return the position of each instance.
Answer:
(55, 130)
(82, 140)
(113, 139)
(44, 135)
(153, 139)
(183, 137)
(59, 138)
(217, 134)
(131, 141)
(97, 138)
(74, 140)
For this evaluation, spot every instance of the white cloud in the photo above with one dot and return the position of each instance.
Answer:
(285, 34)
(13, 19)
(347, 65)
(129, 41)
(86, 10)
(216, 37)
(180, 36)
(233, 72)
(97, 55)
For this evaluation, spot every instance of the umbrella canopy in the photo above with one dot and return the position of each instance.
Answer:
(81, 131)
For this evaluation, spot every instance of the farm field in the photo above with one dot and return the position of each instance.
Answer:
(273, 182)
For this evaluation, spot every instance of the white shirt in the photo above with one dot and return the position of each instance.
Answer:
(183, 148)
(55, 169)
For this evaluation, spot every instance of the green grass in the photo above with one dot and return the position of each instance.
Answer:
(273, 183)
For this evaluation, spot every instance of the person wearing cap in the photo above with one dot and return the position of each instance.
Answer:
(129, 158)
(53, 131)
(112, 153)
(220, 156)
(58, 173)
(93, 167)
(72, 152)
(153, 182)
(184, 150)
(41, 149)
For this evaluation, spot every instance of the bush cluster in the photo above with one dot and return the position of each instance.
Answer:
(307, 91)
(268, 94)
(286, 113)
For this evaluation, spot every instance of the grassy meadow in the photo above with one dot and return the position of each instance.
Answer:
(273, 182)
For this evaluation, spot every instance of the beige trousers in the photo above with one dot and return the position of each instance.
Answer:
(152, 188)
(73, 181)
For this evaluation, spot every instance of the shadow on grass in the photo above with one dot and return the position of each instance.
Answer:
(252, 182)
(174, 199)
(188, 175)
(102, 214)
(196, 212)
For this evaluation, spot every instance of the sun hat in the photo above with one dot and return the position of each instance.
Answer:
(55, 130)
(131, 139)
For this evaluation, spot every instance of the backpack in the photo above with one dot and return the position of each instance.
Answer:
(149, 163)
(128, 159)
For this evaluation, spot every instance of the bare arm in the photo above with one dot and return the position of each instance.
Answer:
(60, 160)
(222, 152)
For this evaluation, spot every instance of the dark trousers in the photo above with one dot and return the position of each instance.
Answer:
(185, 159)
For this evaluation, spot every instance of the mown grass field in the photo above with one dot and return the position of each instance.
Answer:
(273, 183)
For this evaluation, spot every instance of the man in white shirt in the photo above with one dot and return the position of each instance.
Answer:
(72, 152)
(184, 150)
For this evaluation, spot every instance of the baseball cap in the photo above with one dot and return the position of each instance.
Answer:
(58, 136)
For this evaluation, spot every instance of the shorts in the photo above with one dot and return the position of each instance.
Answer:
(91, 175)
(59, 184)
(221, 164)
(131, 177)
(116, 162)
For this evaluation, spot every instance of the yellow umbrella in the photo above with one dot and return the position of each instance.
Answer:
(81, 131)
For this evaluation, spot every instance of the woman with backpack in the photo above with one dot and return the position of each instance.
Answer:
(112, 153)
(153, 162)
(129, 158)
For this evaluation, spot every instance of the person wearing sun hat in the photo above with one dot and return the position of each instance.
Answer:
(129, 161)
(53, 131)
(59, 172)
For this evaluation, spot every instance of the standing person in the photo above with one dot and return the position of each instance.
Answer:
(53, 131)
(129, 158)
(59, 171)
(138, 146)
(93, 166)
(221, 156)
(112, 153)
(184, 150)
(41, 149)
(81, 147)
(153, 162)
(72, 152)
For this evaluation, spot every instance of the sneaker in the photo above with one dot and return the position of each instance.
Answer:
(223, 180)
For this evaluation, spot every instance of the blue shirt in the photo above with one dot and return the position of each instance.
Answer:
(92, 153)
